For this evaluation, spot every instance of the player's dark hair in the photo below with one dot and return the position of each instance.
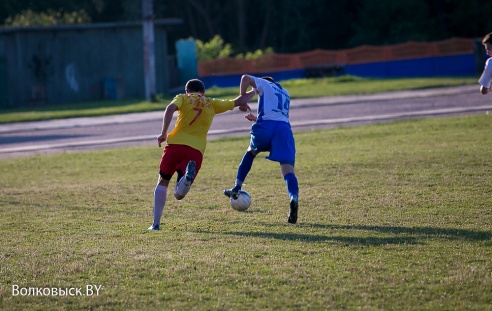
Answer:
(195, 85)
(487, 38)
(268, 79)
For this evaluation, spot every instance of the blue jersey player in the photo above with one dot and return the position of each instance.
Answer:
(270, 132)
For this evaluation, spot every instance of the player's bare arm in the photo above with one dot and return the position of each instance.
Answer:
(242, 100)
(246, 81)
(166, 121)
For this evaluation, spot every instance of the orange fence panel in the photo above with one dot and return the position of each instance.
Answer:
(275, 62)
(321, 57)
(358, 55)
(225, 65)
(454, 46)
(409, 50)
(367, 54)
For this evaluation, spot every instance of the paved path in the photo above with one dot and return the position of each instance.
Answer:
(75, 134)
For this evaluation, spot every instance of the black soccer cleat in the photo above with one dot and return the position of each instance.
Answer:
(232, 193)
(294, 206)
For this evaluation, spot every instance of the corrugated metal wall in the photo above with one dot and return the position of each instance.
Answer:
(67, 64)
(3, 84)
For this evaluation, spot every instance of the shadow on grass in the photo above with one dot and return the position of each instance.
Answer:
(347, 240)
(409, 236)
(421, 232)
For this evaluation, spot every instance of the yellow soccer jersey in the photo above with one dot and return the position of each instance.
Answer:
(195, 116)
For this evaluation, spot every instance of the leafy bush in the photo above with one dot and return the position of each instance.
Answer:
(255, 54)
(217, 48)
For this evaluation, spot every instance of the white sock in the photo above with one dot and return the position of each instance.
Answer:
(160, 194)
(183, 186)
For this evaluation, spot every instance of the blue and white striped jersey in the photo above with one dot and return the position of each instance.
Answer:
(273, 101)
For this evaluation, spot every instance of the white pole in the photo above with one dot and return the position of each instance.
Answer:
(148, 48)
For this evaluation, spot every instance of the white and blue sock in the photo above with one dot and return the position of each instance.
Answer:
(292, 185)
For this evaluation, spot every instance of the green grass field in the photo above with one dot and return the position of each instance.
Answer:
(392, 216)
(298, 88)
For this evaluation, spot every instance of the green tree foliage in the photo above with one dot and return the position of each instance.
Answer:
(461, 18)
(288, 26)
(396, 22)
(29, 18)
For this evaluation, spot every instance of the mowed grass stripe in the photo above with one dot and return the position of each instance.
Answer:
(392, 216)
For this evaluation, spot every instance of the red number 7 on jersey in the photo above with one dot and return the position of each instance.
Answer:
(198, 112)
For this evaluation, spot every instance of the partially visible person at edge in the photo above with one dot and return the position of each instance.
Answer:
(270, 132)
(186, 143)
(486, 77)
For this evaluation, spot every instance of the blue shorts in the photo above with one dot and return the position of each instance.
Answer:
(276, 137)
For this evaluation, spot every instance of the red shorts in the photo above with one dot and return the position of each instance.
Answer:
(175, 158)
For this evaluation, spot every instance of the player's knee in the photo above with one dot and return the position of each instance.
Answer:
(163, 181)
(286, 168)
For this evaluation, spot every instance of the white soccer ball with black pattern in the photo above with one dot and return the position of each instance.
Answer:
(242, 202)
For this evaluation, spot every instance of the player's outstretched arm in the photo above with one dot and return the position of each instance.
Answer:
(166, 121)
(242, 100)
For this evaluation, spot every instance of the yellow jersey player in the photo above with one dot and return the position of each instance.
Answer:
(186, 143)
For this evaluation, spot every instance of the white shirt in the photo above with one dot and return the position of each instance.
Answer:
(273, 101)
(486, 77)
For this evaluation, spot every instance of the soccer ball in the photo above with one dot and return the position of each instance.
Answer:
(243, 201)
